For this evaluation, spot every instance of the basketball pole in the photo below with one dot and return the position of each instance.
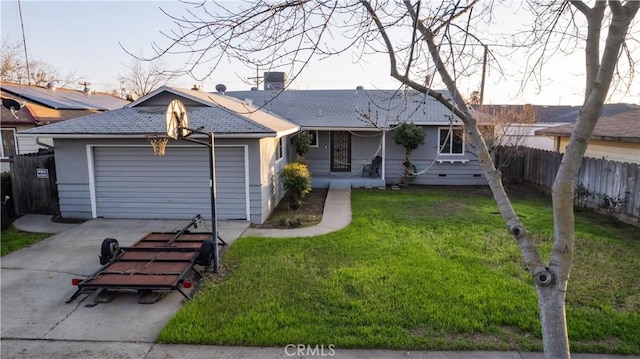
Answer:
(178, 129)
(214, 215)
(212, 183)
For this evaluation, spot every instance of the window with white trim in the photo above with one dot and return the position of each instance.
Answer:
(451, 141)
(8, 147)
(314, 138)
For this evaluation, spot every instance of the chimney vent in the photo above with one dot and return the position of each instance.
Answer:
(275, 80)
(196, 87)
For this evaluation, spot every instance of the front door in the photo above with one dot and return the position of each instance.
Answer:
(340, 151)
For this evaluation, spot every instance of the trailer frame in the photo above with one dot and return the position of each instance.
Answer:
(160, 262)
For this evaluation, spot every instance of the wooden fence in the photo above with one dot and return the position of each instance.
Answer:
(33, 179)
(600, 177)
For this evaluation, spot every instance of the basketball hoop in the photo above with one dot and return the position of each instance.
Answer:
(159, 143)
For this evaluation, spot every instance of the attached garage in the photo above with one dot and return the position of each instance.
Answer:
(106, 168)
(131, 182)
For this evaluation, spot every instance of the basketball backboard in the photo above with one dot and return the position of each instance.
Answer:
(177, 121)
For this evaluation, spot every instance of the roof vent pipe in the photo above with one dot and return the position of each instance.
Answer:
(51, 85)
(86, 89)
(196, 87)
(359, 89)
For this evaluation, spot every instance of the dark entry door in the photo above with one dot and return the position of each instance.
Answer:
(340, 151)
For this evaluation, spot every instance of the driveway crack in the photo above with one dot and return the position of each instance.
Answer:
(65, 317)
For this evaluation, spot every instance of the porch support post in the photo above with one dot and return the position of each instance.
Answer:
(384, 154)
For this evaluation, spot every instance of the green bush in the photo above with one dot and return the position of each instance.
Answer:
(5, 180)
(409, 136)
(296, 180)
(304, 143)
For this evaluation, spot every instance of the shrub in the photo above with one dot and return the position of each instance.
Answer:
(5, 180)
(613, 206)
(8, 209)
(580, 195)
(304, 143)
(296, 180)
(409, 136)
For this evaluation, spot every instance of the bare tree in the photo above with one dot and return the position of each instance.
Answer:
(423, 40)
(13, 68)
(143, 77)
(506, 126)
(10, 62)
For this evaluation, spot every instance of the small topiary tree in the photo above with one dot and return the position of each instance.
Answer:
(410, 136)
(296, 180)
(304, 143)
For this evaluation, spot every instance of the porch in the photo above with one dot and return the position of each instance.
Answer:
(346, 181)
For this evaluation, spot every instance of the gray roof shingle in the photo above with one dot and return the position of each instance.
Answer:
(219, 115)
(346, 108)
(621, 127)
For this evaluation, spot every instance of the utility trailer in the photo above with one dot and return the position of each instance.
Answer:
(160, 262)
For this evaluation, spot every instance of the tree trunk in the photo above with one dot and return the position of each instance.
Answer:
(551, 281)
(551, 303)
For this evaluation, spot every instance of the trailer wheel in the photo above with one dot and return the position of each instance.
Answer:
(110, 248)
(205, 255)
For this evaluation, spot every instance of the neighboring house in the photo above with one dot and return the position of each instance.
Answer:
(616, 137)
(351, 127)
(524, 134)
(106, 167)
(41, 106)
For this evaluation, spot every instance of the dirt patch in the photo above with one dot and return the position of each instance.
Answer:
(509, 338)
(309, 213)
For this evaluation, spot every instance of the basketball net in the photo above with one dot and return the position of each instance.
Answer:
(159, 143)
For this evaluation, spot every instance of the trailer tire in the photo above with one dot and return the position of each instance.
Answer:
(110, 248)
(205, 255)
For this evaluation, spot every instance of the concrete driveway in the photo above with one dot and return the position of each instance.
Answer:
(37, 280)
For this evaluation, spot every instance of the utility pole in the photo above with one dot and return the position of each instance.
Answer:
(24, 44)
(484, 71)
(256, 78)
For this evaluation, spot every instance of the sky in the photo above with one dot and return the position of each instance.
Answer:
(85, 38)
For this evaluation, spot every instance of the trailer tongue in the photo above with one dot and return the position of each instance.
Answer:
(161, 262)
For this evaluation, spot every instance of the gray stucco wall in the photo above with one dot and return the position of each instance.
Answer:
(267, 196)
(464, 170)
(73, 178)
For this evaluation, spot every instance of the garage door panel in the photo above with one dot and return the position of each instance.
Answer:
(131, 182)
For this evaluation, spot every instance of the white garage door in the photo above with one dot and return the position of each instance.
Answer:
(131, 182)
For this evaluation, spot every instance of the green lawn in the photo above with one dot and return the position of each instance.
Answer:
(12, 239)
(418, 269)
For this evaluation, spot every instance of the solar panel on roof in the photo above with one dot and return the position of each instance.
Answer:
(63, 99)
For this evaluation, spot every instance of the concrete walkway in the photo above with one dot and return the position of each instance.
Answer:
(41, 223)
(101, 349)
(336, 215)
